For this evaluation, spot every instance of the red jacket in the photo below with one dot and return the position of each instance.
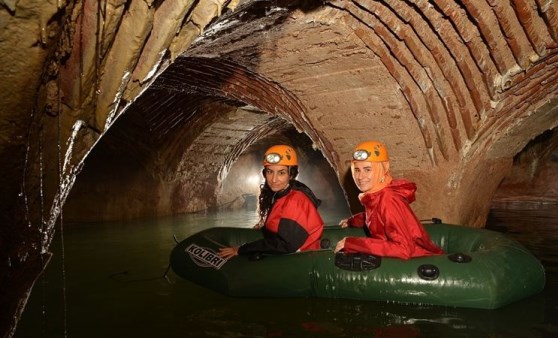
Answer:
(292, 224)
(393, 228)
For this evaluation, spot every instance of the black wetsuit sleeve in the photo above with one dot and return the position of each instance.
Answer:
(289, 238)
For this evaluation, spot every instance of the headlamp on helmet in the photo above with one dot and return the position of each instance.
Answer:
(280, 155)
(273, 158)
(361, 155)
(371, 151)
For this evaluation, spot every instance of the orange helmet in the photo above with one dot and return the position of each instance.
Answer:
(281, 155)
(371, 151)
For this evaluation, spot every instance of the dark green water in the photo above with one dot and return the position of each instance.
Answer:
(106, 281)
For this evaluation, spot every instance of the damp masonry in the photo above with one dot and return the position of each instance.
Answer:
(457, 89)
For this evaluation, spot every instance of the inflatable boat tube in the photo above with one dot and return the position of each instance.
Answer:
(482, 269)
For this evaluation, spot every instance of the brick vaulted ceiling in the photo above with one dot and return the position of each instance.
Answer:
(456, 88)
(437, 73)
(463, 80)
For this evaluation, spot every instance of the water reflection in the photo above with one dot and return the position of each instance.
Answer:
(338, 318)
(114, 287)
(535, 225)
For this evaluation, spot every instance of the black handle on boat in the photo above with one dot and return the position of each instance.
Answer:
(433, 220)
(357, 261)
(428, 271)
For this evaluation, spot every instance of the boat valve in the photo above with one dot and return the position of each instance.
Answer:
(459, 257)
(428, 271)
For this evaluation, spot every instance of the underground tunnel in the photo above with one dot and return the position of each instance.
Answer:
(157, 108)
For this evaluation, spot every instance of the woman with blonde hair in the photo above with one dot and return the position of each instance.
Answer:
(392, 229)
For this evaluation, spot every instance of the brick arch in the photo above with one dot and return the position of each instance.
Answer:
(468, 70)
(199, 106)
(226, 80)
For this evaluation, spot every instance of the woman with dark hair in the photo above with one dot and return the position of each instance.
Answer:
(289, 218)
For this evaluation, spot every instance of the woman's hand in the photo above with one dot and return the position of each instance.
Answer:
(344, 223)
(340, 245)
(228, 252)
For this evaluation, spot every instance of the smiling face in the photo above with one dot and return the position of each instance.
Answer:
(371, 176)
(363, 175)
(277, 177)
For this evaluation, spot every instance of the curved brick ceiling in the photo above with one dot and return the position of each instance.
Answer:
(478, 77)
(468, 71)
(478, 64)
(222, 80)
(177, 114)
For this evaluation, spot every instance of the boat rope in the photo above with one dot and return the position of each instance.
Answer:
(114, 276)
(214, 242)
(126, 272)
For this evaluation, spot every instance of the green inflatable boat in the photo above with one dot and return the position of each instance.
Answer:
(482, 269)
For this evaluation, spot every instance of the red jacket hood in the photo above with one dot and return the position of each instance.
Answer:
(404, 188)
